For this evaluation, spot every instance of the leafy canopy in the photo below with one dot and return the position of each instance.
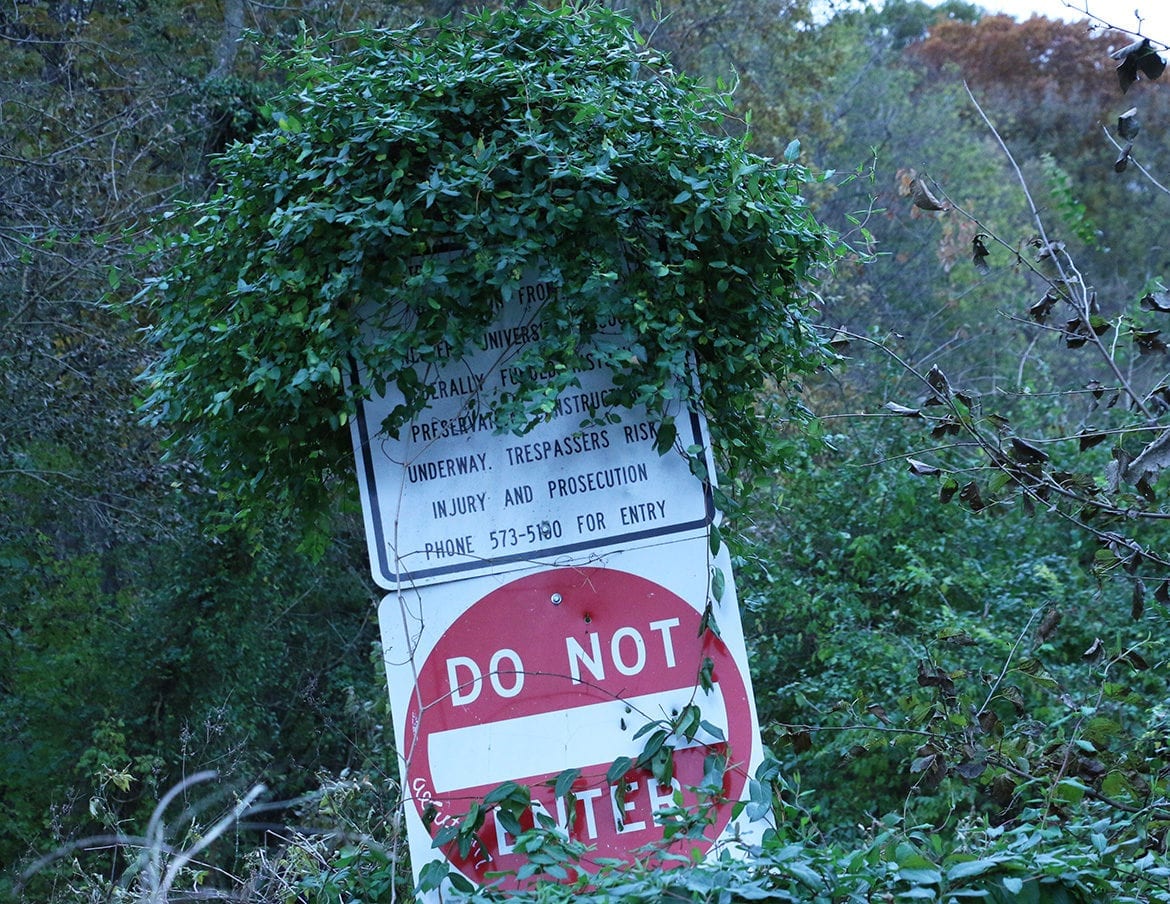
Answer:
(527, 141)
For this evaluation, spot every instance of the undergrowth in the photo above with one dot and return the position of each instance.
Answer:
(348, 848)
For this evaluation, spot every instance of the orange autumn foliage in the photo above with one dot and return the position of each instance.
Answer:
(1038, 55)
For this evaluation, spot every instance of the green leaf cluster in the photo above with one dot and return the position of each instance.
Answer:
(1039, 861)
(934, 660)
(523, 141)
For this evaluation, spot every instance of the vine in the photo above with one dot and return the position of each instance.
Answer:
(533, 140)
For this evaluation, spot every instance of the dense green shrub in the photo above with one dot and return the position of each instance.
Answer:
(348, 847)
(528, 141)
(249, 660)
(919, 657)
(1040, 861)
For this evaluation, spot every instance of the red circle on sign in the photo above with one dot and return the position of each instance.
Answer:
(560, 670)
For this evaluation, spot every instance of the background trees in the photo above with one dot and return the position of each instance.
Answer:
(144, 637)
(139, 640)
(1073, 630)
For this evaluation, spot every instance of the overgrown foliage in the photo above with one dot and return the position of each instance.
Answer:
(1096, 458)
(977, 673)
(1087, 858)
(898, 641)
(917, 660)
(527, 141)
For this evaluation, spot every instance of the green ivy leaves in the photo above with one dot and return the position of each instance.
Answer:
(523, 140)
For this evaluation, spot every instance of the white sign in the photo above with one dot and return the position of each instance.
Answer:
(520, 677)
(449, 498)
(575, 568)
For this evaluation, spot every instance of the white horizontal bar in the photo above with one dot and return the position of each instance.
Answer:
(548, 743)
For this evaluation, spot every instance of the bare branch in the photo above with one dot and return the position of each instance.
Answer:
(1069, 276)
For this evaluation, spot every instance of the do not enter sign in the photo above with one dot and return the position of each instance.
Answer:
(560, 670)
